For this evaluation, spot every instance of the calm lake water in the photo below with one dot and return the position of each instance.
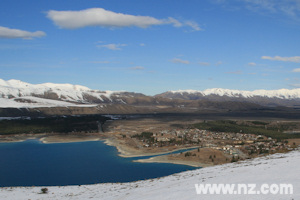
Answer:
(32, 163)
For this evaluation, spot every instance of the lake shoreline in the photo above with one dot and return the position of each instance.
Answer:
(165, 159)
(129, 152)
(25, 164)
(50, 138)
(123, 150)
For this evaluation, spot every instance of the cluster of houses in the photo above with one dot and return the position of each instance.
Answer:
(234, 144)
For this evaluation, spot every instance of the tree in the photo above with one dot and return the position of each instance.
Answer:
(44, 190)
(233, 159)
(187, 154)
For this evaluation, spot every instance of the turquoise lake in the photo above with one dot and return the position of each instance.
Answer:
(32, 163)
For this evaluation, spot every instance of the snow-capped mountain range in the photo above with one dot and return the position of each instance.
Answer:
(66, 92)
(15, 93)
(281, 94)
(281, 97)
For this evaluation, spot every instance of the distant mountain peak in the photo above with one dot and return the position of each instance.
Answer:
(15, 92)
(12, 90)
(281, 93)
(281, 97)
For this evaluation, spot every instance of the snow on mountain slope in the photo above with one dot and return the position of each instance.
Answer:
(14, 89)
(274, 169)
(65, 92)
(68, 92)
(35, 102)
(281, 94)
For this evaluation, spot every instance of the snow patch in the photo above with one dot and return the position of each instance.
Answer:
(35, 102)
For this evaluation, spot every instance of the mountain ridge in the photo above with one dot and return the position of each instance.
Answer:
(280, 93)
(16, 93)
(281, 97)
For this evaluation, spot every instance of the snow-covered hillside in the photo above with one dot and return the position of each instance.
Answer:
(274, 169)
(35, 102)
(15, 93)
(282, 97)
(281, 94)
(67, 92)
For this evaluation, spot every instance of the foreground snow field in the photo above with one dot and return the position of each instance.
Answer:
(273, 169)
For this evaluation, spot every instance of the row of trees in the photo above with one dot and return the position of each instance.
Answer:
(88, 123)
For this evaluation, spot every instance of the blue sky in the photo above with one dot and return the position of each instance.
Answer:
(152, 46)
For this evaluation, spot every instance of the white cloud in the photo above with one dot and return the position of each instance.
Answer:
(252, 64)
(194, 25)
(16, 33)
(106, 18)
(289, 8)
(137, 68)
(219, 63)
(254, 5)
(234, 72)
(295, 81)
(295, 85)
(204, 63)
(177, 60)
(173, 21)
(296, 70)
(285, 59)
(112, 46)
(100, 62)
(277, 9)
